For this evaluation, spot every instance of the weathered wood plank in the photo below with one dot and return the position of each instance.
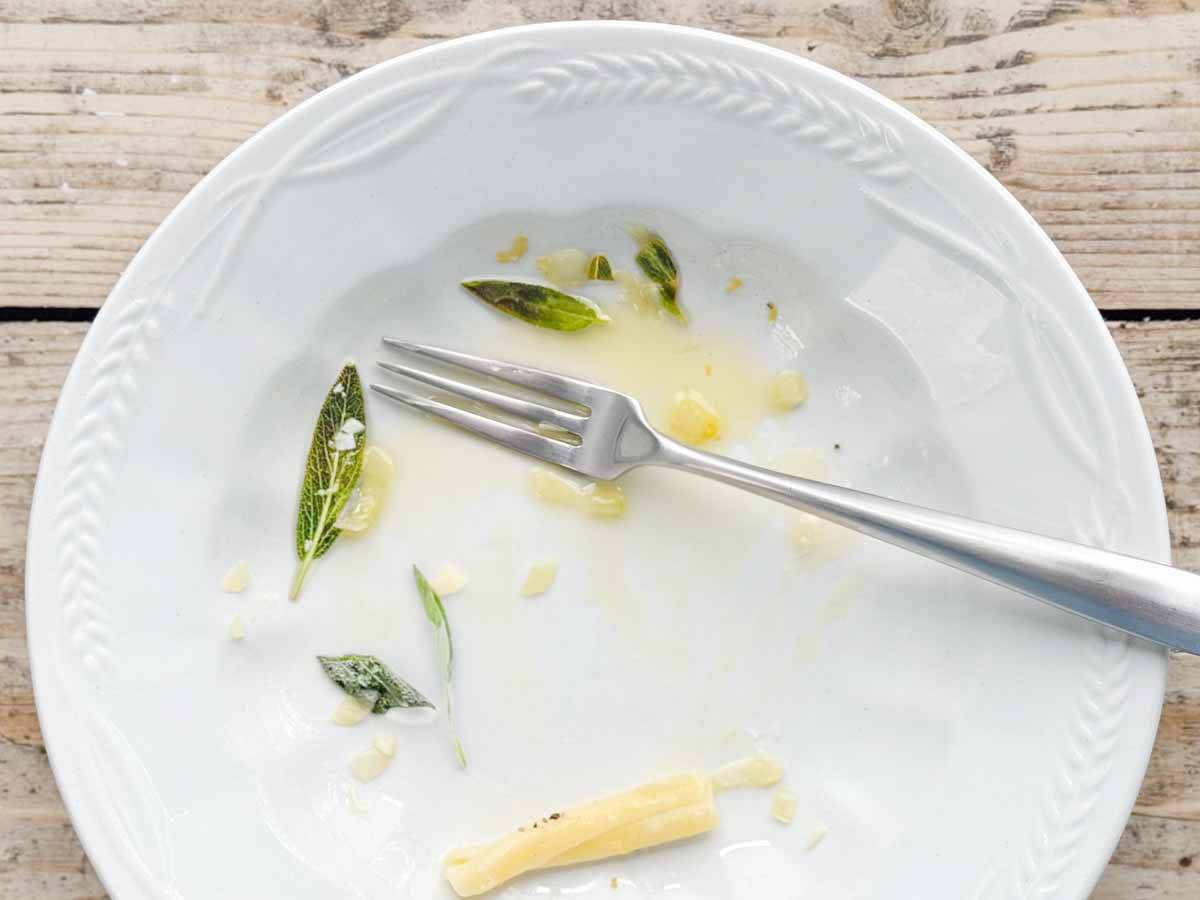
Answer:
(1088, 111)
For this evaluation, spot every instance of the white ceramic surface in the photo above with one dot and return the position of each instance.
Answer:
(958, 741)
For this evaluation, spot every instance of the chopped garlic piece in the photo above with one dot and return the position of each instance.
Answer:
(237, 579)
(564, 268)
(237, 629)
(638, 291)
(449, 580)
(733, 284)
(597, 498)
(369, 764)
(354, 802)
(519, 245)
(783, 806)
(759, 770)
(554, 488)
(787, 390)
(540, 577)
(367, 499)
(602, 498)
(385, 744)
(351, 711)
(816, 539)
(693, 419)
(815, 837)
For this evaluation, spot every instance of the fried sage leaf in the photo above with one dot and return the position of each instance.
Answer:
(444, 643)
(331, 471)
(366, 678)
(599, 268)
(537, 304)
(655, 260)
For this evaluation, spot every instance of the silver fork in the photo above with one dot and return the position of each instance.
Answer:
(603, 434)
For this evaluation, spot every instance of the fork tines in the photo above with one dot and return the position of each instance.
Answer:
(570, 393)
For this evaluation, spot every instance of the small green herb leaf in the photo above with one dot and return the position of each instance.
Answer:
(331, 471)
(366, 678)
(655, 260)
(599, 268)
(444, 644)
(537, 304)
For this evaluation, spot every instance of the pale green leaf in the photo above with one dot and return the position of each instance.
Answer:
(654, 258)
(538, 304)
(334, 461)
(366, 678)
(444, 646)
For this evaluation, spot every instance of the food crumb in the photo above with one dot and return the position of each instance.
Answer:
(237, 579)
(837, 446)
(815, 837)
(450, 579)
(350, 712)
(567, 268)
(707, 369)
(786, 390)
(783, 806)
(540, 577)
(733, 284)
(772, 311)
(692, 419)
(519, 245)
(237, 629)
(613, 883)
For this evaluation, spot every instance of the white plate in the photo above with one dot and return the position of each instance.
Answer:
(956, 740)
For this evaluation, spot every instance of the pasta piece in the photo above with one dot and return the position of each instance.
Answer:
(759, 770)
(655, 813)
(675, 825)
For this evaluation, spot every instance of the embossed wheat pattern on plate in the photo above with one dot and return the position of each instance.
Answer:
(1091, 740)
(1092, 734)
(724, 89)
(89, 480)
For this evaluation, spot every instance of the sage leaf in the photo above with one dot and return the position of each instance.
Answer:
(655, 260)
(599, 268)
(366, 678)
(537, 304)
(334, 461)
(444, 645)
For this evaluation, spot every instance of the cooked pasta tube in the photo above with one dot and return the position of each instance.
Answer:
(675, 825)
(655, 813)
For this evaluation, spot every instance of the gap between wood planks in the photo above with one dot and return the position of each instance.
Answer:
(88, 314)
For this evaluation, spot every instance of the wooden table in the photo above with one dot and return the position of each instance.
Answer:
(1088, 110)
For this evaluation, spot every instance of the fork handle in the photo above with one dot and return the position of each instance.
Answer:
(1147, 599)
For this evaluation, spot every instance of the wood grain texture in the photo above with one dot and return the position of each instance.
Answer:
(40, 856)
(110, 110)
(1088, 111)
